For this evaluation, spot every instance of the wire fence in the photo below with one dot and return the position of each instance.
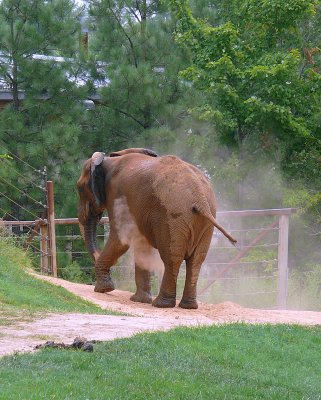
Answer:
(253, 274)
(252, 280)
(23, 202)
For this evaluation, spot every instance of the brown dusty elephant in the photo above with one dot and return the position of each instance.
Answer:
(157, 206)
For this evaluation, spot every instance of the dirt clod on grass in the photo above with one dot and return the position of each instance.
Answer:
(25, 335)
(79, 343)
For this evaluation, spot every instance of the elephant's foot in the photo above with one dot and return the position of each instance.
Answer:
(164, 302)
(141, 297)
(104, 285)
(190, 304)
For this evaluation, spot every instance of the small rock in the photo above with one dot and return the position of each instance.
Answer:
(88, 346)
(79, 342)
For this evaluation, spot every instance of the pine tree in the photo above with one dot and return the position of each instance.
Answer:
(39, 42)
(139, 65)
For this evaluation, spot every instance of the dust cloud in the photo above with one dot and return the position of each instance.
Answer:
(141, 252)
(251, 178)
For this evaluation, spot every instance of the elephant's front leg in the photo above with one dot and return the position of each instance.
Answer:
(143, 286)
(167, 293)
(108, 257)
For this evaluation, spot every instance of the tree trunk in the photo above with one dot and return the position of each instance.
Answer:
(14, 87)
(143, 29)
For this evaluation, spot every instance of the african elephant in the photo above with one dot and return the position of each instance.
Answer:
(155, 204)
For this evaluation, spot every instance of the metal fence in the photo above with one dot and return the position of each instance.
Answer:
(23, 202)
(255, 273)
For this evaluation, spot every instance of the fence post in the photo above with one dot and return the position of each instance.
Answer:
(283, 261)
(52, 231)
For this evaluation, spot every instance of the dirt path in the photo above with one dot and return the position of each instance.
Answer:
(24, 336)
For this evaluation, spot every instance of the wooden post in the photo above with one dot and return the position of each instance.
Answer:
(44, 248)
(52, 231)
(283, 261)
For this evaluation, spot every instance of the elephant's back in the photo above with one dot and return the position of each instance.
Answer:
(164, 183)
(179, 185)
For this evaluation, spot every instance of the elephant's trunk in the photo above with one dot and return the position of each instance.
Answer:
(88, 232)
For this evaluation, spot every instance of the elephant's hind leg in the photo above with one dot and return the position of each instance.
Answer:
(193, 267)
(108, 257)
(167, 293)
(143, 285)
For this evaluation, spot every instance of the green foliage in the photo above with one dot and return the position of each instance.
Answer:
(257, 82)
(44, 128)
(218, 362)
(258, 63)
(74, 273)
(274, 19)
(141, 65)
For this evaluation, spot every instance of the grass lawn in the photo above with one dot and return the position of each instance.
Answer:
(22, 295)
(225, 362)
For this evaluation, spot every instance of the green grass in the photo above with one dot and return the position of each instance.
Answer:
(225, 362)
(21, 294)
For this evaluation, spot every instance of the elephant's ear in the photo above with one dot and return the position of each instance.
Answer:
(97, 180)
(147, 152)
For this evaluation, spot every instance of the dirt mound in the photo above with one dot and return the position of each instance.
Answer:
(118, 300)
(24, 336)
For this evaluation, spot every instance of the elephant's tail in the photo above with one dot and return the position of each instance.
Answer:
(205, 211)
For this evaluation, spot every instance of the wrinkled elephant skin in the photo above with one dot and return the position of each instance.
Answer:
(161, 207)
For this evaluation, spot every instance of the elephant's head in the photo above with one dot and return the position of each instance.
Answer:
(92, 195)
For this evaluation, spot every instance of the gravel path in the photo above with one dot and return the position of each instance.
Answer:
(24, 336)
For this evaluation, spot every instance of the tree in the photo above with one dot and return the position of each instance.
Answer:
(255, 72)
(258, 62)
(30, 28)
(139, 64)
(38, 46)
